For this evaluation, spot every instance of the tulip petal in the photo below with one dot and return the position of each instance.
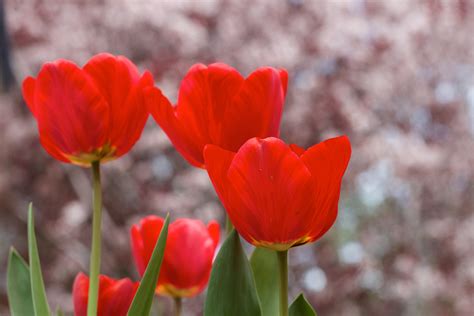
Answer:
(284, 80)
(149, 229)
(120, 84)
(164, 114)
(80, 290)
(71, 113)
(189, 242)
(270, 193)
(217, 162)
(204, 95)
(214, 231)
(50, 146)
(28, 89)
(297, 149)
(137, 249)
(115, 296)
(118, 294)
(29, 85)
(256, 109)
(327, 162)
(113, 77)
(134, 116)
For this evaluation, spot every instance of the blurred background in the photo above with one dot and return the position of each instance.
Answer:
(397, 76)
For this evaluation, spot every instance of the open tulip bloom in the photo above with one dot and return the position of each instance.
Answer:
(93, 113)
(188, 254)
(277, 196)
(216, 105)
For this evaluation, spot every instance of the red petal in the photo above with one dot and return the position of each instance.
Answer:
(214, 231)
(188, 256)
(144, 237)
(217, 162)
(29, 93)
(297, 149)
(80, 290)
(134, 116)
(138, 249)
(119, 82)
(284, 80)
(203, 97)
(164, 114)
(327, 162)
(270, 198)
(256, 110)
(114, 77)
(50, 146)
(71, 113)
(115, 296)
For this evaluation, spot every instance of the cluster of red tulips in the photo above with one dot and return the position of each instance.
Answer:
(277, 196)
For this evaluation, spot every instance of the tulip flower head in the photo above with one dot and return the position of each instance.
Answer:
(279, 196)
(115, 296)
(93, 113)
(216, 105)
(189, 252)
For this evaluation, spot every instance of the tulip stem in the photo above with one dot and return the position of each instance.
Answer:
(283, 269)
(178, 305)
(228, 225)
(96, 241)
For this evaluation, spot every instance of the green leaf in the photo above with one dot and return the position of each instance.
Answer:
(301, 307)
(38, 291)
(59, 312)
(19, 285)
(143, 299)
(232, 289)
(264, 264)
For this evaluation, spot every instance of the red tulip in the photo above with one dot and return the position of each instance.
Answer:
(216, 105)
(279, 196)
(188, 255)
(115, 296)
(87, 114)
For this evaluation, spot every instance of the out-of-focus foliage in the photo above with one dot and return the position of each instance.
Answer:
(396, 76)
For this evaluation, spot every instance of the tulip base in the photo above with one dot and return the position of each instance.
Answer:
(283, 271)
(94, 267)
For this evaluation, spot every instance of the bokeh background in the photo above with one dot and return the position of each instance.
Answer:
(397, 76)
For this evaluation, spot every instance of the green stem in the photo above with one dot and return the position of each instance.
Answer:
(228, 225)
(283, 269)
(94, 267)
(178, 304)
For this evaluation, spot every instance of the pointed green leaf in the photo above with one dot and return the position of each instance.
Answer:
(19, 285)
(143, 299)
(232, 289)
(264, 264)
(38, 291)
(301, 307)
